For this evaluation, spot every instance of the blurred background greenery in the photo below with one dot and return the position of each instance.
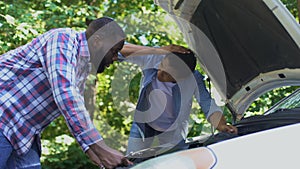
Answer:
(144, 23)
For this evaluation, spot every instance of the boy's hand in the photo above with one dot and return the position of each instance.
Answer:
(227, 128)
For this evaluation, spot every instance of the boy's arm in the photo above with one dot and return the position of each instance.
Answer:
(209, 107)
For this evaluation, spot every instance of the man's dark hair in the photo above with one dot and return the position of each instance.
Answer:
(188, 58)
(95, 25)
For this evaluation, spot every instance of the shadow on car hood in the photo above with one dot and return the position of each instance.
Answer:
(246, 47)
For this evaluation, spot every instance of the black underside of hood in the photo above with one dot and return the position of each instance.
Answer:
(248, 38)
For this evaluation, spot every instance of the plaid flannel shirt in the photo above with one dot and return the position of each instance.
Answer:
(41, 81)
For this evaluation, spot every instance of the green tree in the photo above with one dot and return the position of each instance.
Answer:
(293, 6)
(145, 24)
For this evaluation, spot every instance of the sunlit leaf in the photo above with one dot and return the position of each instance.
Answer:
(10, 19)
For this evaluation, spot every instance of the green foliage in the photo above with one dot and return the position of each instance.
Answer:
(145, 23)
(21, 21)
(292, 7)
(56, 128)
(63, 152)
(268, 99)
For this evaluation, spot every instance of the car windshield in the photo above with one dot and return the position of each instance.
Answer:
(290, 102)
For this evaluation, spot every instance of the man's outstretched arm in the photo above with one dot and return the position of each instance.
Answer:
(138, 50)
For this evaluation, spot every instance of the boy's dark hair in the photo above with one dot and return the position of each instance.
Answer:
(188, 58)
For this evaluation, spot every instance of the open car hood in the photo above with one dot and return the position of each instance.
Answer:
(246, 47)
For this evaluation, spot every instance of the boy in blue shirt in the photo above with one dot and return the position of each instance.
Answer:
(169, 83)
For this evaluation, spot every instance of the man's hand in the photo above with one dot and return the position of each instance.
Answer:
(102, 155)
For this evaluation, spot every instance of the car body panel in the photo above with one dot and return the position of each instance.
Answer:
(275, 148)
(246, 47)
(200, 158)
(265, 149)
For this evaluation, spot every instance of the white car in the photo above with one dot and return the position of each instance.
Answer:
(246, 47)
(267, 141)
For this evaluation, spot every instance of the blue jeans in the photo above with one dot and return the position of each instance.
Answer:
(137, 142)
(9, 159)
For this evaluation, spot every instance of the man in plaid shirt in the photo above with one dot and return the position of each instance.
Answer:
(45, 79)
